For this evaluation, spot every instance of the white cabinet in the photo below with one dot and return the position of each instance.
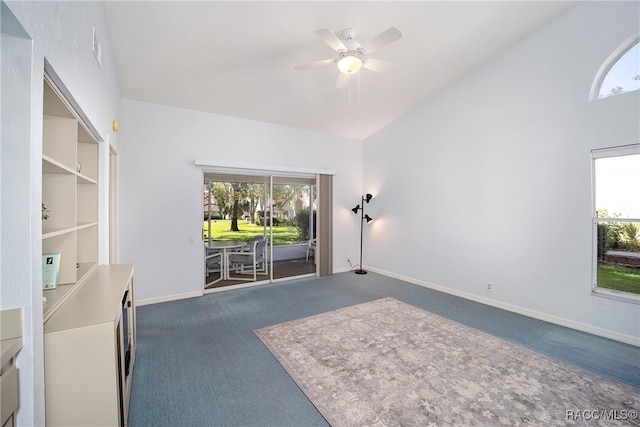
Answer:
(90, 346)
(10, 345)
(69, 194)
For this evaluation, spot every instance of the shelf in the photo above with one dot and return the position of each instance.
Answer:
(70, 171)
(83, 225)
(56, 297)
(84, 268)
(50, 165)
(49, 232)
(86, 180)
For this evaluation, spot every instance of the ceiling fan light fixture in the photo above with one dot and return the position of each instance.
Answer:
(349, 64)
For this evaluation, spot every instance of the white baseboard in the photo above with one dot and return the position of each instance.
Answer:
(168, 298)
(237, 286)
(628, 339)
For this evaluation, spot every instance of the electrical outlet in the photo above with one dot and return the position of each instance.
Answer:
(488, 288)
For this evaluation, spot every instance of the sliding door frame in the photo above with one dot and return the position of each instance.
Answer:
(324, 250)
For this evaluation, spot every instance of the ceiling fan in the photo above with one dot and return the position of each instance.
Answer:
(353, 55)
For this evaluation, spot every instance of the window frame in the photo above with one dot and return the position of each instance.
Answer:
(601, 153)
(608, 64)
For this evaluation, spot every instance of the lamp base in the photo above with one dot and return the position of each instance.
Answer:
(361, 271)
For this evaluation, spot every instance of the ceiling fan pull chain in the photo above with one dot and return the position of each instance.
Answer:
(358, 86)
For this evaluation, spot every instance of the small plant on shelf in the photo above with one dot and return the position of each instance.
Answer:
(45, 215)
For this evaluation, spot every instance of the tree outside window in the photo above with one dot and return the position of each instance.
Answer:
(617, 221)
(623, 75)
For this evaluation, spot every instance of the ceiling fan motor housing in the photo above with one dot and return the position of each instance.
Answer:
(353, 47)
(348, 34)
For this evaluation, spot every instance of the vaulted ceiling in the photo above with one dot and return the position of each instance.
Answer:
(237, 58)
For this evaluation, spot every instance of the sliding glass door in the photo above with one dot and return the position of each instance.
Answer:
(294, 228)
(239, 210)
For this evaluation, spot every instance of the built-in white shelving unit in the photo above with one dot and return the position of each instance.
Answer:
(70, 194)
(90, 316)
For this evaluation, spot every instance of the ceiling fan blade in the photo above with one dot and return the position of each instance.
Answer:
(379, 66)
(342, 81)
(314, 64)
(331, 39)
(381, 40)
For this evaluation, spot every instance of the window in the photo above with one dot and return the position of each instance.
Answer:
(620, 73)
(616, 222)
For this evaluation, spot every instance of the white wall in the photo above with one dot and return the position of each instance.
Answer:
(15, 221)
(161, 187)
(500, 162)
(489, 180)
(61, 32)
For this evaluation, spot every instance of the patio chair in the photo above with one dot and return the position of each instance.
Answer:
(252, 261)
(213, 265)
(311, 247)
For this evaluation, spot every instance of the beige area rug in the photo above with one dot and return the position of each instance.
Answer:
(387, 363)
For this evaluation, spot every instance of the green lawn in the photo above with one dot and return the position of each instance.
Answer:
(282, 234)
(619, 278)
(609, 276)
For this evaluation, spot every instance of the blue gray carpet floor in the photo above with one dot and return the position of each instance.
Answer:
(199, 362)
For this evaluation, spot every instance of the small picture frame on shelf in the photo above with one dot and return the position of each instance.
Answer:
(50, 270)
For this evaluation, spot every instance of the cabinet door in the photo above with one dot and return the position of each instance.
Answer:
(81, 376)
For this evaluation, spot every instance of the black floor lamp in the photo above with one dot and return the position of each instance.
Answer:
(355, 210)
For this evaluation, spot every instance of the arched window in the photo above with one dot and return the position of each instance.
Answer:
(620, 73)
